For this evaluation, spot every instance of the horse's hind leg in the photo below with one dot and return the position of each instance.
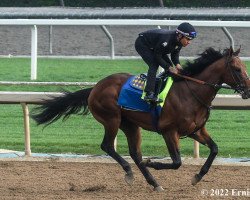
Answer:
(203, 137)
(103, 106)
(108, 146)
(133, 135)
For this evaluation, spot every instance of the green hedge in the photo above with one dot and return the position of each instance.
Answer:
(125, 3)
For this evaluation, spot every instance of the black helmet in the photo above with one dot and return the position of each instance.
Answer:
(186, 30)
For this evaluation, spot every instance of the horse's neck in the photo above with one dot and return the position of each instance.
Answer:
(213, 75)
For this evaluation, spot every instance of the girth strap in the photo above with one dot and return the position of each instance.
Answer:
(154, 112)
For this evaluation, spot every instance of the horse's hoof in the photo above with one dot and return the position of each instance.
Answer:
(195, 179)
(129, 178)
(158, 189)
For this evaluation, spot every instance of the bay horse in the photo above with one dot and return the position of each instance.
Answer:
(185, 111)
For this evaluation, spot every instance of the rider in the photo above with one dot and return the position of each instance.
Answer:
(154, 45)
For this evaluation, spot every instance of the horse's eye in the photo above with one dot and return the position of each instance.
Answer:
(237, 69)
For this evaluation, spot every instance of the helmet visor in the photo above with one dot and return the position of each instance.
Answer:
(190, 35)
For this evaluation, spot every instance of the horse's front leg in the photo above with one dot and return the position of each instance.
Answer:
(203, 137)
(172, 142)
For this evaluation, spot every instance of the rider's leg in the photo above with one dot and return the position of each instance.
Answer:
(148, 56)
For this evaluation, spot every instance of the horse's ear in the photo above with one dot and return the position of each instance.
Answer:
(236, 53)
(230, 51)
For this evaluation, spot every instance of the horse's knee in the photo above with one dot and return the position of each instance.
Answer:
(214, 150)
(106, 148)
(135, 157)
(176, 165)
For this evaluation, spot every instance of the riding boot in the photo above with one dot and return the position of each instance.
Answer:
(151, 96)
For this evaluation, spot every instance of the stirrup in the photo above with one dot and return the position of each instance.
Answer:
(158, 101)
(151, 98)
(154, 101)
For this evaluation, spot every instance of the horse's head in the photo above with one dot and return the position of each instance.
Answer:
(236, 73)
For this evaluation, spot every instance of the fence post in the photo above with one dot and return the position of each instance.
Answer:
(26, 129)
(229, 36)
(196, 149)
(50, 39)
(115, 143)
(112, 48)
(33, 53)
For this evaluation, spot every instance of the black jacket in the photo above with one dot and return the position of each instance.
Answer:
(163, 42)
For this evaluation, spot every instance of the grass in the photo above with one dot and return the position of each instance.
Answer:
(83, 135)
(61, 70)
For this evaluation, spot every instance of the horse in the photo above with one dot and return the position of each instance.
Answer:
(184, 113)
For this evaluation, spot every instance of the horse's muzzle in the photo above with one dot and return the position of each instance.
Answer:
(246, 94)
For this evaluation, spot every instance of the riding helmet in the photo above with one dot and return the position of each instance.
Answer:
(186, 30)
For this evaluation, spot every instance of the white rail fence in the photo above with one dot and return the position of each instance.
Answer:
(25, 98)
(110, 22)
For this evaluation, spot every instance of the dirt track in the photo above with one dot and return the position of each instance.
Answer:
(53, 179)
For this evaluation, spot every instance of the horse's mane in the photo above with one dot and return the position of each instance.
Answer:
(205, 59)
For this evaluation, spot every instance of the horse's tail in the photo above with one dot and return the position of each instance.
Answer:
(69, 103)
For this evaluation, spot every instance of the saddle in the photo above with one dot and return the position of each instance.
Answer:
(132, 94)
(139, 82)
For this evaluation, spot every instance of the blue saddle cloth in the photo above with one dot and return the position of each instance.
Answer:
(130, 96)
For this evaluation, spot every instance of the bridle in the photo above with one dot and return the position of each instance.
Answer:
(239, 82)
(239, 86)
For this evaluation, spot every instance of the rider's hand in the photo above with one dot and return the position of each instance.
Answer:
(179, 67)
(173, 70)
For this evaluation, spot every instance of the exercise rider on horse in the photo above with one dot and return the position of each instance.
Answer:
(155, 45)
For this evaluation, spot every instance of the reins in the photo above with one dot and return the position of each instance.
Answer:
(215, 86)
(197, 98)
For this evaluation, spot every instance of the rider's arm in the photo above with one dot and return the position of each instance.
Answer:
(161, 57)
(168, 61)
(175, 60)
(175, 57)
